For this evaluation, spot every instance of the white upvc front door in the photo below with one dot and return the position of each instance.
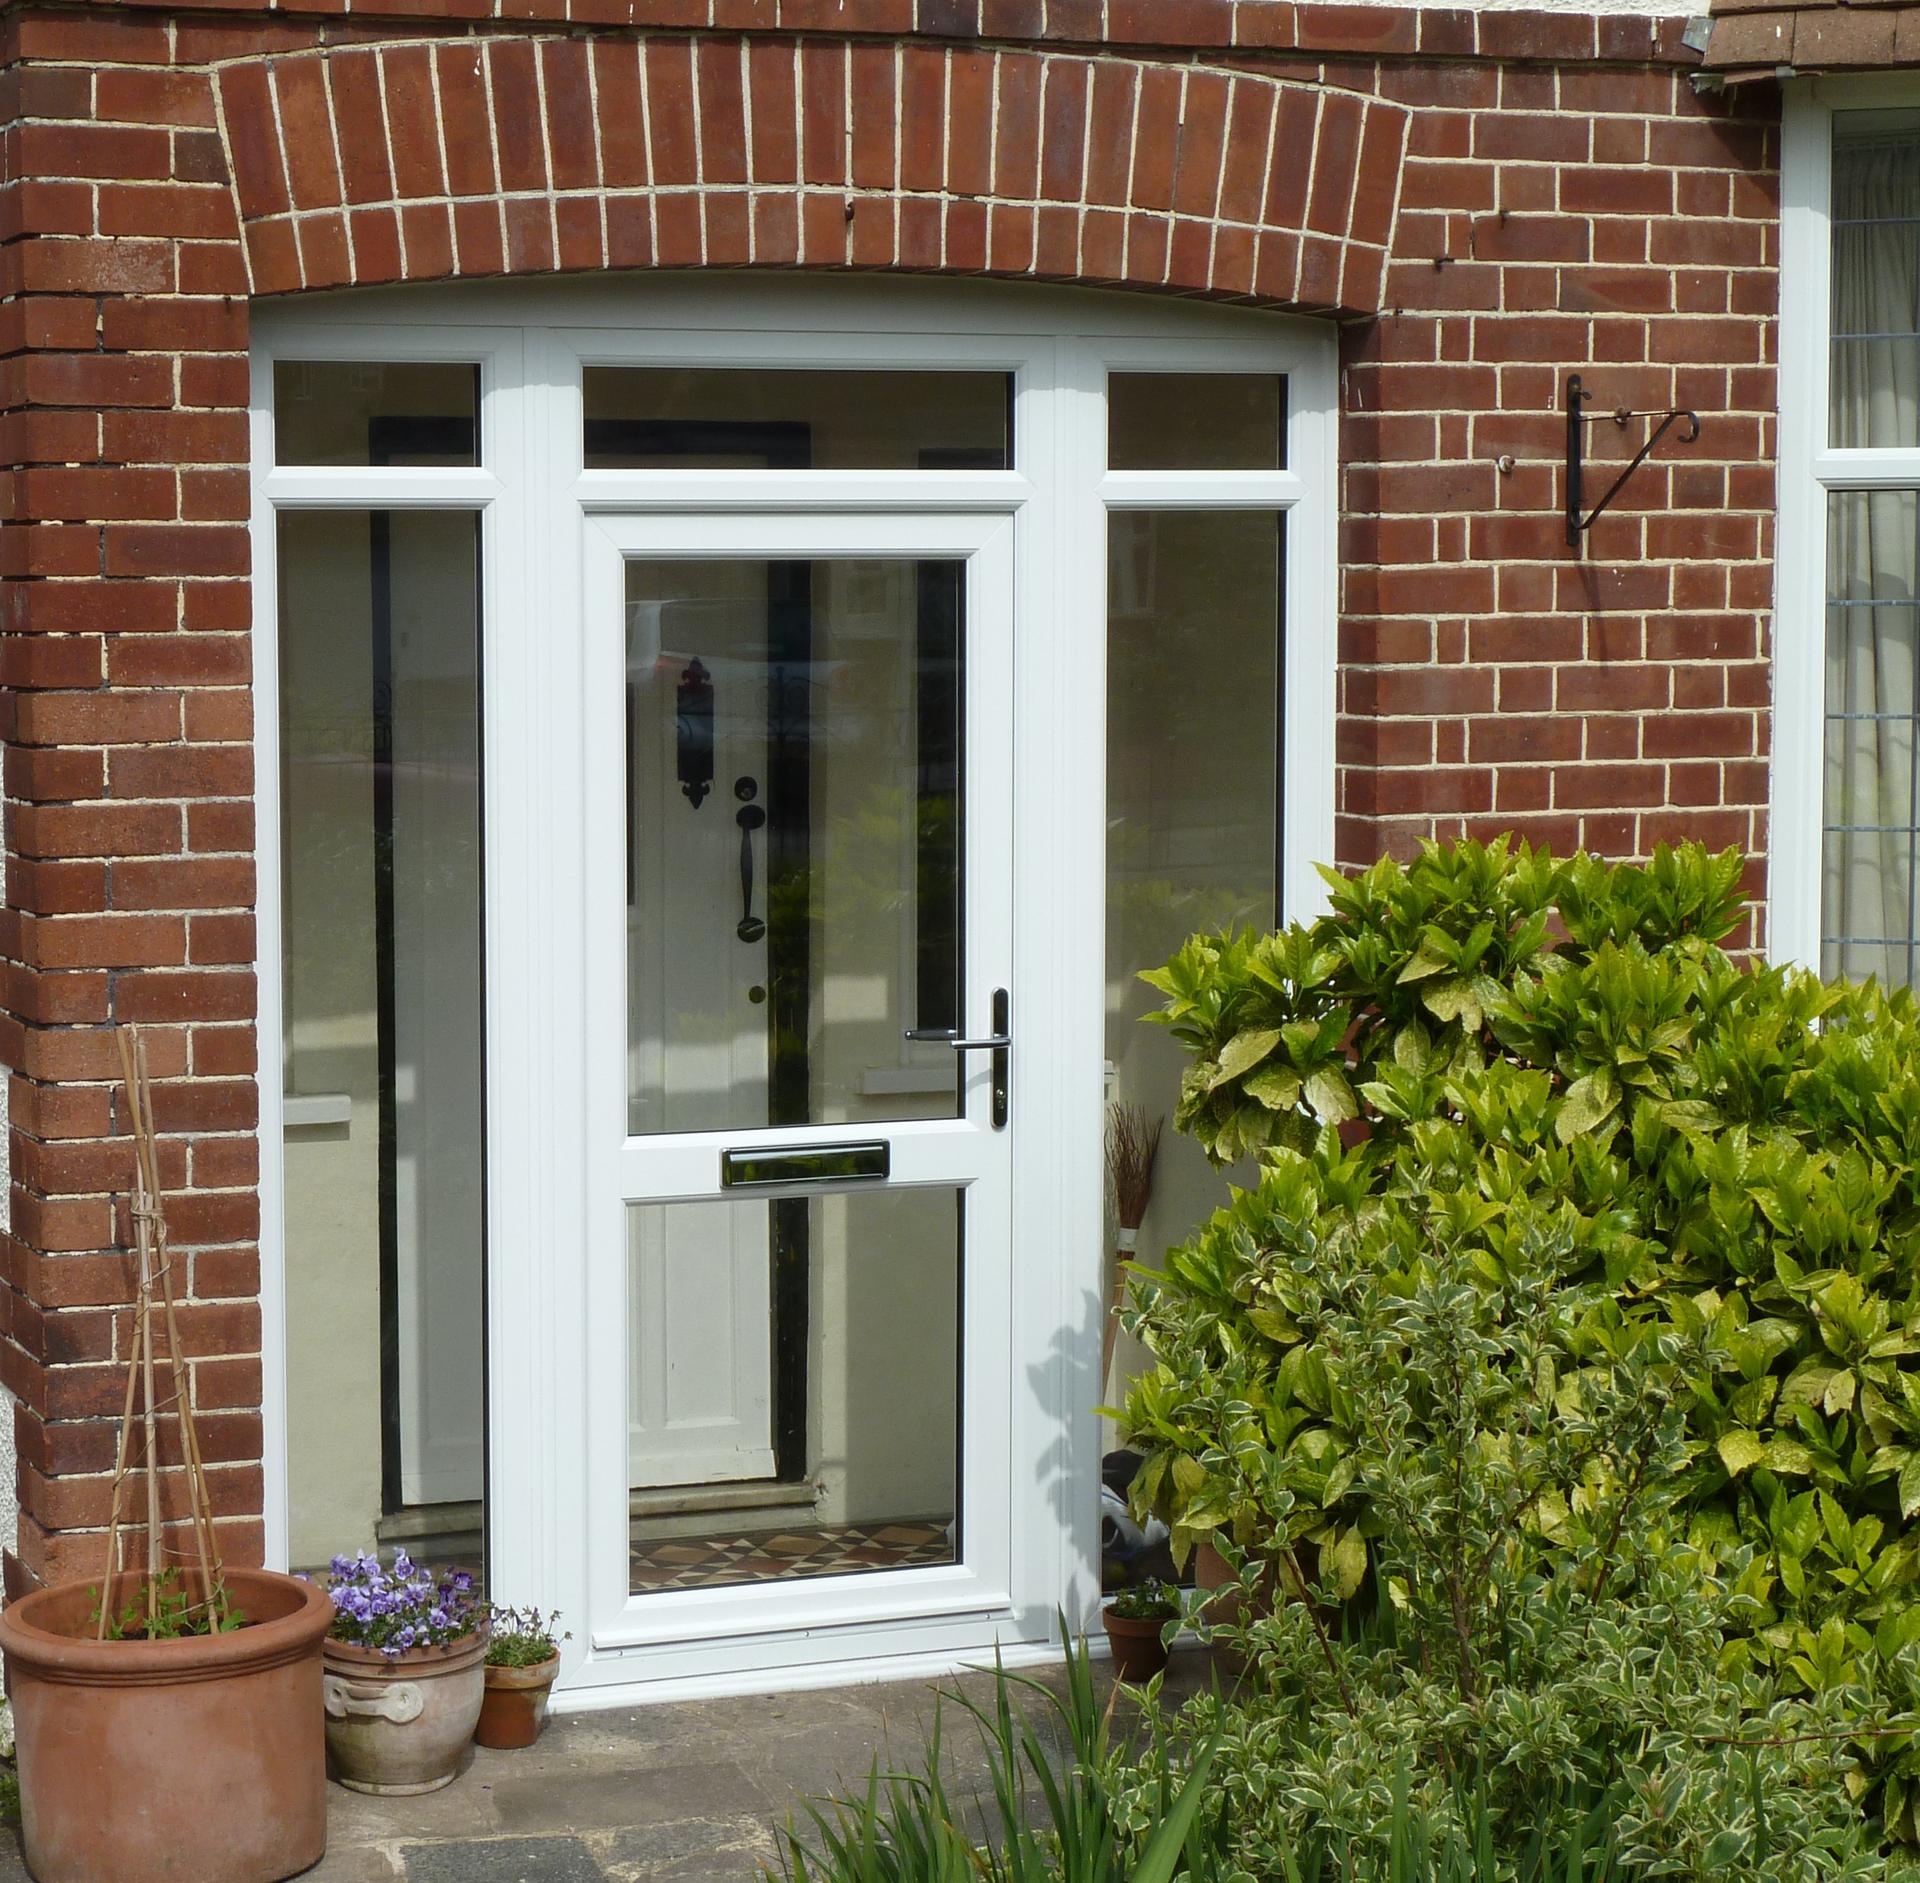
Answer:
(902, 1215)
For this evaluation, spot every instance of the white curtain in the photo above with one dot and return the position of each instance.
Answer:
(1872, 813)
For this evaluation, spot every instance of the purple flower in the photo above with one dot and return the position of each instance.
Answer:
(393, 1608)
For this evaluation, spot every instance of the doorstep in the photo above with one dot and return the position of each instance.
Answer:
(692, 1791)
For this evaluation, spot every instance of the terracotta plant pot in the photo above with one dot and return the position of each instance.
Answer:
(1138, 1651)
(149, 1760)
(515, 1707)
(398, 1726)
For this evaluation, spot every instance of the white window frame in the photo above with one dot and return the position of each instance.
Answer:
(530, 340)
(1810, 468)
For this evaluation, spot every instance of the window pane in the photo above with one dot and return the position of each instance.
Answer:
(1872, 815)
(794, 886)
(364, 412)
(380, 1057)
(1196, 422)
(646, 417)
(1193, 767)
(1876, 281)
(806, 1346)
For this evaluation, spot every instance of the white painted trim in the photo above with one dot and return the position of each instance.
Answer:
(268, 968)
(379, 487)
(1808, 469)
(814, 492)
(1201, 490)
(1800, 560)
(1059, 344)
(1863, 469)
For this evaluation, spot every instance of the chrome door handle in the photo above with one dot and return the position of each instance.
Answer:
(999, 1043)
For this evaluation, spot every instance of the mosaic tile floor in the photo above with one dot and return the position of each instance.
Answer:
(734, 1556)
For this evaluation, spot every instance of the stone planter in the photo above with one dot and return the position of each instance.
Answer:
(515, 1707)
(153, 1761)
(401, 1725)
(1138, 1651)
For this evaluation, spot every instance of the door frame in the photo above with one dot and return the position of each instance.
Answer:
(530, 341)
(962, 1152)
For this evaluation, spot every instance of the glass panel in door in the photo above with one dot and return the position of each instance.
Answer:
(796, 905)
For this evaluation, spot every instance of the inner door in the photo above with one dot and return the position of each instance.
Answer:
(802, 1054)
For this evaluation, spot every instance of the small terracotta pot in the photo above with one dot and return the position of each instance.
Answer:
(399, 1725)
(514, 1708)
(152, 1761)
(1138, 1651)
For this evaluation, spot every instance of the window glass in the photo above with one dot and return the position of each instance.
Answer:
(1196, 422)
(1193, 773)
(795, 796)
(646, 417)
(369, 412)
(380, 1055)
(828, 1336)
(1872, 821)
(1875, 389)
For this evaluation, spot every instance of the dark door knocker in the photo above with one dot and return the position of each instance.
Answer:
(750, 817)
(693, 727)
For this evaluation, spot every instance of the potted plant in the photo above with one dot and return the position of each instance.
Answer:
(166, 1716)
(1136, 1623)
(403, 1673)
(523, 1656)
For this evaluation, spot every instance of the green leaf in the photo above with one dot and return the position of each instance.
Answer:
(1589, 1102)
(1277, 1088)
(1245, 1051)
(1910, 1486)
(1343, 1562)
(1740, 1451)
(1787, 1456)
(1331, 1097)
(1424, 964)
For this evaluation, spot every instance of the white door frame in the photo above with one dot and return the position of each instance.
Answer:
(963, 1152)
(531, 341)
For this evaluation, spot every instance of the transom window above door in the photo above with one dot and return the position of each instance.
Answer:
(638, 417)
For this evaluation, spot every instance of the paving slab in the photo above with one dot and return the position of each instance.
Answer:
(687, 1792)
(502, 1860)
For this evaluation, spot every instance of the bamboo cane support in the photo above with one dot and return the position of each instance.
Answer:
(150, 1322)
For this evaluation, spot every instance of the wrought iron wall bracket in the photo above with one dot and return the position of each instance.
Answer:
(1579, 518)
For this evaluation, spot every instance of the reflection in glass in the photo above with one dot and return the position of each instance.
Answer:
(1196, 422)
(789, 921)
(809, 1346)
(367, 412)
(1193, 768)
(641, 417)
(385, 1237)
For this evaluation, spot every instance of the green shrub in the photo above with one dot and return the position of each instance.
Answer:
(1501, 1667)
(1519, 1052)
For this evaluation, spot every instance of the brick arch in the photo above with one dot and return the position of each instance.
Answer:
(516, 154)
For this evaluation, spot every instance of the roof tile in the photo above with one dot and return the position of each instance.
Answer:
(1751, 39)
(1848, 37)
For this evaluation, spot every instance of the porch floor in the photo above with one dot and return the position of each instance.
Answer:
(690, 1791)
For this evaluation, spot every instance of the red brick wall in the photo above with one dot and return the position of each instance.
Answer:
(1487, 201)
(1615, 223)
